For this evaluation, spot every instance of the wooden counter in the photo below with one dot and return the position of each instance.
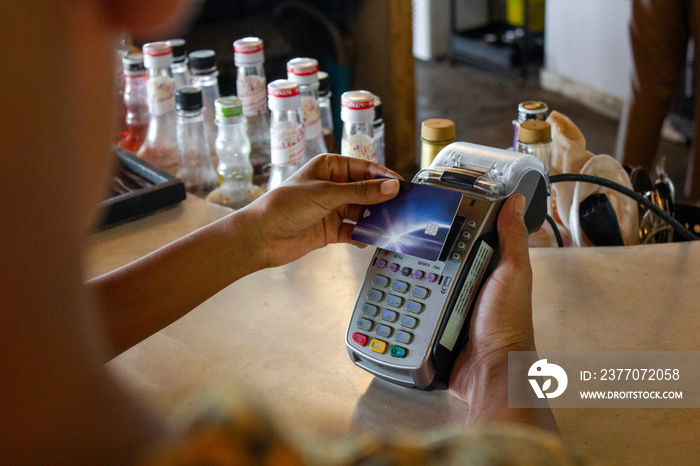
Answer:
(281, 332)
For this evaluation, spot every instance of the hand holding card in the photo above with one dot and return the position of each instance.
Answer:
(416, 222)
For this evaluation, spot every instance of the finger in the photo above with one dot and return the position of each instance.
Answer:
(340, 169)
(353, 211)
(512, 232)
(345, 235)
(365, 192)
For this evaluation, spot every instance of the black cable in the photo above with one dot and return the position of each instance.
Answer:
(677, 226)
(555, 229)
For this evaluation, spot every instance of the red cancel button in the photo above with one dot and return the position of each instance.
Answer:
(359, 338)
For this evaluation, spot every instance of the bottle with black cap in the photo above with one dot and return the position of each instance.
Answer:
(205, 76)
(181, 74)
(196, 170)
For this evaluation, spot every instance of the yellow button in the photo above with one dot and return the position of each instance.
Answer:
(378, 346)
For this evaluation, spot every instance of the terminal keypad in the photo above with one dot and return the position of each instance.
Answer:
(390, 313)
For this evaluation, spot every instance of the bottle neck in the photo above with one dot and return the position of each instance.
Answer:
(253, 69)
(206, 80)
(285, 116)
(310, 90)
(358, 128)
(164, 71)
(231, 128)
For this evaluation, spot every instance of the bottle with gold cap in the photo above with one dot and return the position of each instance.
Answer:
(435, 134)
(535, 138)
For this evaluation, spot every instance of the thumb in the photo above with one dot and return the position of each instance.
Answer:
(512, 232)
(366, 192)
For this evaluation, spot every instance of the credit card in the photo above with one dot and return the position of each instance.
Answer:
(416, 222)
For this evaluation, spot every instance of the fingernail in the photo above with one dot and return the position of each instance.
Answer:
(389, 186)
(519, 204)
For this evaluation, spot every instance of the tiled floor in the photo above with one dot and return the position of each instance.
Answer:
(483, 104)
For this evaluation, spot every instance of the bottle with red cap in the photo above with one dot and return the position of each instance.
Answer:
(286, 130)
(160, 146)
(250, 86)
(357, 113)
(135, 102)
(304, 71)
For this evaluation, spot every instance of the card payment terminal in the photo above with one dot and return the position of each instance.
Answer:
(411, 316)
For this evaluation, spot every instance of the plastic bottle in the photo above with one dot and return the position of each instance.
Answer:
(249, 59)
(304, 71)
(357, 113)
(160, 147)
(233, 149)
(196, 170)
(529, 110)
(435, 134)
(286, 130)
(135, 102)
(326, 110)
(378, 130)
(179, 66)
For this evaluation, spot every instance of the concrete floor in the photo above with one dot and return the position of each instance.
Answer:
(483, 104)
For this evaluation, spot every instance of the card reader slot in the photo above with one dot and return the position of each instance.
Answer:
(463, 177)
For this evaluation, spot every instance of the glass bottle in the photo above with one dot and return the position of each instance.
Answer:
(324, 107)
(196, 170)
(135, 102)
(233, 149)
(286, 130)
(304, 71)
(535, 138)
(435, 134)
(378, 130)
(160, 147)
(357, 113)
(529, 110)
(250, 86)
(181, 74)
(205, 76)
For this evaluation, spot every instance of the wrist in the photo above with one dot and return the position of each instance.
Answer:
(247, 247)
(486, 374)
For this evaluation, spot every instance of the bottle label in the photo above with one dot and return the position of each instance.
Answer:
(253, 93)
(287, 145)
(161, 95)
(358, 147)
(312, 117)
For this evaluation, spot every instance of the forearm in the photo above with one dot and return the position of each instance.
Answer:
(147, 295)
(488, 399)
